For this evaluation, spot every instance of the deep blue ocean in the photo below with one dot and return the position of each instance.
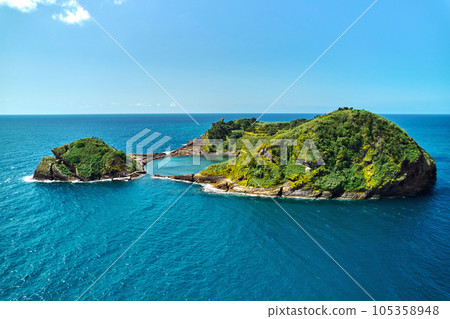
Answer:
(56, 239)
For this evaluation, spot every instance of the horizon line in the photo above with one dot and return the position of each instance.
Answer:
(180, 113)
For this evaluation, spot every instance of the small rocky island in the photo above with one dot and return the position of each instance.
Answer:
(362, 156)
(87, 159)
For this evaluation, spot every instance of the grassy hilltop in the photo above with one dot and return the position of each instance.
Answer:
(362, 152)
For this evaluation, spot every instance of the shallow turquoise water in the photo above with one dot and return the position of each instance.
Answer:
(57, 238)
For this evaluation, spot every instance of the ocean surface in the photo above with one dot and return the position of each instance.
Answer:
(56, 239)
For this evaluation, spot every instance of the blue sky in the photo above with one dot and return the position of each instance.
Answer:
(224, 56)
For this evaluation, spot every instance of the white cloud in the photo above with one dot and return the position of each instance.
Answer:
(25, 5)
(74, 14)
(119, 1)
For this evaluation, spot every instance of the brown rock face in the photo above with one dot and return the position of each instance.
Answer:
(44, 170)
(186, 177)
(212, 179)
(418, 176)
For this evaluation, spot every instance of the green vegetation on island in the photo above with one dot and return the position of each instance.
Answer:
(86, 159)
(363, 154)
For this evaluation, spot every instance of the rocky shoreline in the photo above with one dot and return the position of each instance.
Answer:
(48, 170)
(126, 178)
(224, 185)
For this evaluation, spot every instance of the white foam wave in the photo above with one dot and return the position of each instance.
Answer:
(28, 179)
(208, 188)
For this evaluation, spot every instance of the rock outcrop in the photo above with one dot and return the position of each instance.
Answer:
(88, 159)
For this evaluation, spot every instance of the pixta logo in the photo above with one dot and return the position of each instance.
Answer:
(260, 151)
(144, 145)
